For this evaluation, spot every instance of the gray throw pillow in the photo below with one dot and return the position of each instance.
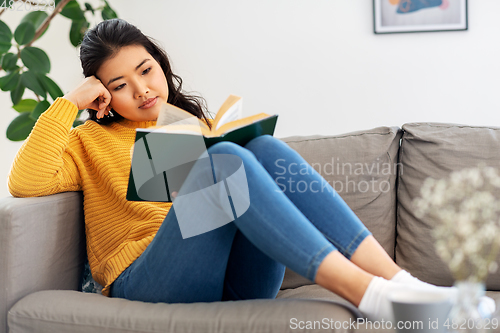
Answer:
(435, 150)
(362, 167)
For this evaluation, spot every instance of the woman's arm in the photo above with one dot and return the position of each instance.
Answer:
(47, 161)
(43, 166)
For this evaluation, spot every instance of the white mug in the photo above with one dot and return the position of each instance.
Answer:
(420, 311)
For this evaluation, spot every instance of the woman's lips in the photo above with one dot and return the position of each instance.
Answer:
(149, 103)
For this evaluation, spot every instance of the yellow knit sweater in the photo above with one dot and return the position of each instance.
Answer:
(94, 159)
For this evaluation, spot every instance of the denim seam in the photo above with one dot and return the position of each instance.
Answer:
(336, 244)
(314, 262)
(356, 241)
(347, 251)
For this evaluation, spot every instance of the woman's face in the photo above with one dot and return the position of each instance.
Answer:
(136, 82)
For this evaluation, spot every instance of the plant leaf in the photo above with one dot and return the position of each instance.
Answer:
(50, 86)
(5, 37)
(5, 30)
(73, 11)
(89, 7)
(37, 18)
(107, 12)
(20, 127)
(35, 59)
(77, 121)
(26, 105)
(9, 61)
(39, 109)
(9, 81)
(77, 31)
(17, 93)
(24, 33)
(30, 80)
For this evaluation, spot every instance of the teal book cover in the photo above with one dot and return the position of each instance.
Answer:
(161, 156)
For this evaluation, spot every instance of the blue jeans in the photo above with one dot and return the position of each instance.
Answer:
(295, 219)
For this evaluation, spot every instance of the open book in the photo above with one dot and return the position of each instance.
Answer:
(164, 154)
(228, 124)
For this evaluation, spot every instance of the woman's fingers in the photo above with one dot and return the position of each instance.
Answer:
(103, 108)
(104, 98)
(105, 111)
(103, 101)
(92, 94)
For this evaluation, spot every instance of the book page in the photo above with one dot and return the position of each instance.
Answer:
(230, 110)
(170, 114)
(235, 112)
(239, 123)
(194, 128)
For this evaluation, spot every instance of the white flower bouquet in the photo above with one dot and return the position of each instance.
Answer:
(466, 209)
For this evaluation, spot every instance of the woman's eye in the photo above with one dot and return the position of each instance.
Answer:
(146, 71)
(119, 87)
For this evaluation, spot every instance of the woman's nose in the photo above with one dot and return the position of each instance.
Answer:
(141, 89)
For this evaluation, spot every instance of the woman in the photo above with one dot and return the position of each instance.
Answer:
(136, 249)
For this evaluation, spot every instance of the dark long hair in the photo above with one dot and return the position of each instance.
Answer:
(104, 40)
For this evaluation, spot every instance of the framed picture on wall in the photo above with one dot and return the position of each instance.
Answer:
(391, 16)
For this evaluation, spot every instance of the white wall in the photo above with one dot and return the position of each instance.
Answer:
(316, 63)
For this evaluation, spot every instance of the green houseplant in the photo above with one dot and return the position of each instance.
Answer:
(26, 67)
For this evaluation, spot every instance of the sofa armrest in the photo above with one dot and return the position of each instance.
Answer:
(42, 246)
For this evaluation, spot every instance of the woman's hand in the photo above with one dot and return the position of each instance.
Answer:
(92, 94)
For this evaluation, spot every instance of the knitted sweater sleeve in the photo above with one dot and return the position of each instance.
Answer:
(44, 165)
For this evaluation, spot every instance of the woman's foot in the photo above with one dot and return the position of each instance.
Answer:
(406, 278)
(486, 306)
(376, 305)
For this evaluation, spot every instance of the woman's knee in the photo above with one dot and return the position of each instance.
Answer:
(265, 139)
(227, 158)
(265, 145)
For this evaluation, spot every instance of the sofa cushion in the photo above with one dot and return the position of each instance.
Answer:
(72, 311)
(435, 150)
(42, 246)
(361, 166)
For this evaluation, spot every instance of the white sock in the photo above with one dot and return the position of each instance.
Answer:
(375, 303)
(486, 304)
(404, 277)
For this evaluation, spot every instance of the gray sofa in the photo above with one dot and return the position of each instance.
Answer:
(378, 172)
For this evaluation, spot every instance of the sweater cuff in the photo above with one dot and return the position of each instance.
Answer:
(63, 110)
